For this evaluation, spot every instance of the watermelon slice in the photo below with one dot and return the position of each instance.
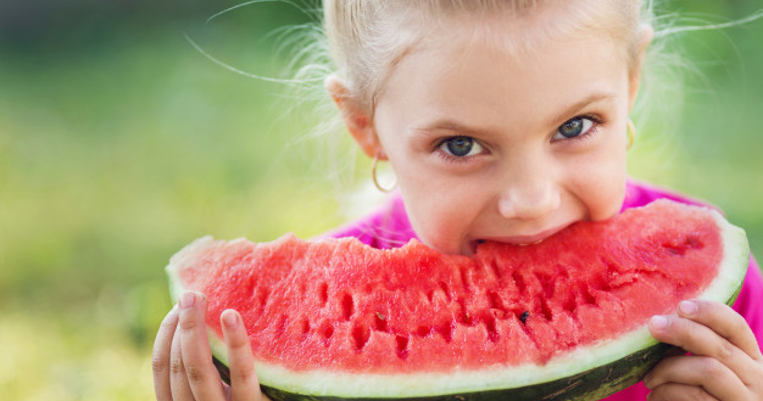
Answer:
(562, 319)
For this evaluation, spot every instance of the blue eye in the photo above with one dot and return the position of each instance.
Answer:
(461, 146)
(573, 127)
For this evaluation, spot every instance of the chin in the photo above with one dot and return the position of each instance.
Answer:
(608, 215)
(466, 248)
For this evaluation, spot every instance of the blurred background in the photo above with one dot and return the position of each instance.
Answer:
(120, 143)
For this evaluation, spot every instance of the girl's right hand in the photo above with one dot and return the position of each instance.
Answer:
(182, 358)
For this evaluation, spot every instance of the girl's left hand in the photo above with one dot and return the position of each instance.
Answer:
(725, 362)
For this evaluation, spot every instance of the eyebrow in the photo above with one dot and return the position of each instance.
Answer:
(556, 120)
(574, 109)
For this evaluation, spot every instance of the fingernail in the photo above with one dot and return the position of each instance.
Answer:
(187, 300)
(230, 318)
(687, 307)
(659, 322)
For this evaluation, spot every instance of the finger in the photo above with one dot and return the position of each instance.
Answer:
(181, 390)
(723, 320)
(701, 340)
(698, 371)
(160, 360)
(197, 356)
(679, 392)
(244, 383)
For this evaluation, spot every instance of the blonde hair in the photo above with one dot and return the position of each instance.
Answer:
(367, 38)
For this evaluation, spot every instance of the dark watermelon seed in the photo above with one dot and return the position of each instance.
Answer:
(523, 317)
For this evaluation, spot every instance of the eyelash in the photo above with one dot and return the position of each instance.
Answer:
(597, 122)
(450, 158)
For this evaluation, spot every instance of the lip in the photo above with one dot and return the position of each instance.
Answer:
(532, 239)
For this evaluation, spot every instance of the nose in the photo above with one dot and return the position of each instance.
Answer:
(531, 197)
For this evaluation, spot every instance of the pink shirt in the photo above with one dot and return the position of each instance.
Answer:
(389, 228)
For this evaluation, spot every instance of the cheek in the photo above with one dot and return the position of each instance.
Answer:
(602, 187)
(440, 216)
(430, 201)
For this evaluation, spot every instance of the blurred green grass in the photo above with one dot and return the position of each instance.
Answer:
(120, 144)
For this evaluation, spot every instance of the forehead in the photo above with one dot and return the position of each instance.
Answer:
(484, 66)
(518, 32)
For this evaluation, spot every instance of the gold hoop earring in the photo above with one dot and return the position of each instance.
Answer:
(376, 181)
(631, 134)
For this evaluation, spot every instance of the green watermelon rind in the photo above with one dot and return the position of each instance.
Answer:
(587, 373)
(608, 379)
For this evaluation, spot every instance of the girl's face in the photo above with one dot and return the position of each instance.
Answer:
(508, 146)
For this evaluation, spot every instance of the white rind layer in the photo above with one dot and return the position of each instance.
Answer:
(339, 384)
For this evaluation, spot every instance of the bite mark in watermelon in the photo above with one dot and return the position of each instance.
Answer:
(563, 319)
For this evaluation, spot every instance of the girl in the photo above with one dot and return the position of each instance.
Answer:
(504, 121)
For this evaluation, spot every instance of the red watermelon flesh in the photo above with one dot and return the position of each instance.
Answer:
(341, 305)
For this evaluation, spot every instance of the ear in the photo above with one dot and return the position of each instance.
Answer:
(645, 35)
(356, 118)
